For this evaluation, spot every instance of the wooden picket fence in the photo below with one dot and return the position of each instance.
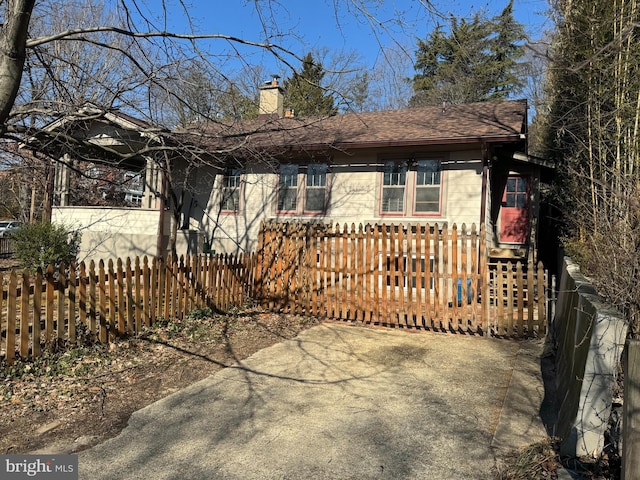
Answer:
(115, 299)
(398, 275)
(405, 276)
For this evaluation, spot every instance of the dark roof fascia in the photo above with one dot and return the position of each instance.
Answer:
(405, 143)
(532, 159)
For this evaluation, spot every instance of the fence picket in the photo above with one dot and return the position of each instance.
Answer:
(37, 313)
(24, 315)
(72, 304)
(12, 299)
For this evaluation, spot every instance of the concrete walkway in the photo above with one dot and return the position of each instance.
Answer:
(339, 402)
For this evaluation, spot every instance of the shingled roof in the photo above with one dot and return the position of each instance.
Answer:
(466, 123)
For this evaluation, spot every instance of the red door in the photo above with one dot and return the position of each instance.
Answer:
(514, 216)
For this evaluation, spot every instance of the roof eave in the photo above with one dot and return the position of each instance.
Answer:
(407, 143)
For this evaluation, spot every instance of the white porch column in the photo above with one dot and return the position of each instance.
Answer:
(62, 181)
(152, 185)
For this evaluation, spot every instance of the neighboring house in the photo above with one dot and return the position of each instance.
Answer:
(450, 164)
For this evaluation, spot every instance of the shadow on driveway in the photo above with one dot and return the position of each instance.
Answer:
(337, 402)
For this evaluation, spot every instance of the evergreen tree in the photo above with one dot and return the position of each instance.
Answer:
(476, 60)
(304, 92)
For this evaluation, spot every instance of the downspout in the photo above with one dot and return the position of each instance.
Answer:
(481, 285)
(485, 179)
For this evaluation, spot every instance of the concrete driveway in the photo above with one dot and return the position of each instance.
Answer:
(340, 402)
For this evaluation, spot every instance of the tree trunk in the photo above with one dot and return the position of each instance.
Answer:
(13, 39)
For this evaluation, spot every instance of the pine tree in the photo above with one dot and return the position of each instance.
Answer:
(477, 60)
(304, 92)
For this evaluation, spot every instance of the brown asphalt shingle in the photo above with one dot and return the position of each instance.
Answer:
(427, 125)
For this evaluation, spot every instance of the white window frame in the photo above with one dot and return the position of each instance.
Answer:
(409, 178)
(288, 182)
(230, 188)
(316, 181)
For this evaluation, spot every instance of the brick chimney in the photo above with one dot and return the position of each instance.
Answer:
(271, 99)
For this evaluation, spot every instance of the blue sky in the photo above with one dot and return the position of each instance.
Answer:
(313, 24)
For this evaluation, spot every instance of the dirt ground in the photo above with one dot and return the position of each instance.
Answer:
(74, 399)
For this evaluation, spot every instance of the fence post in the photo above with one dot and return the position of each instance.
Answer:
(631, 412)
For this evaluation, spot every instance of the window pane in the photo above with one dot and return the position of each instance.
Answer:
(314, 201)
(522, 185)
(231, 200)
(521, 200)
(511, 200)
(511, 184)
(395, 173)
(317, 175)
(393, 199)
(288, 176)
(428, 194)
(287, 199)
(428, 172)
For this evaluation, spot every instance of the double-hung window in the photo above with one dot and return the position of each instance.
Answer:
(315, 197)
(428, 180)
(230, 192)
(411, 187)
(288, 189)
(394, 180)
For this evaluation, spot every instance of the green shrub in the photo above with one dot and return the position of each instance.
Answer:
(43, 244)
